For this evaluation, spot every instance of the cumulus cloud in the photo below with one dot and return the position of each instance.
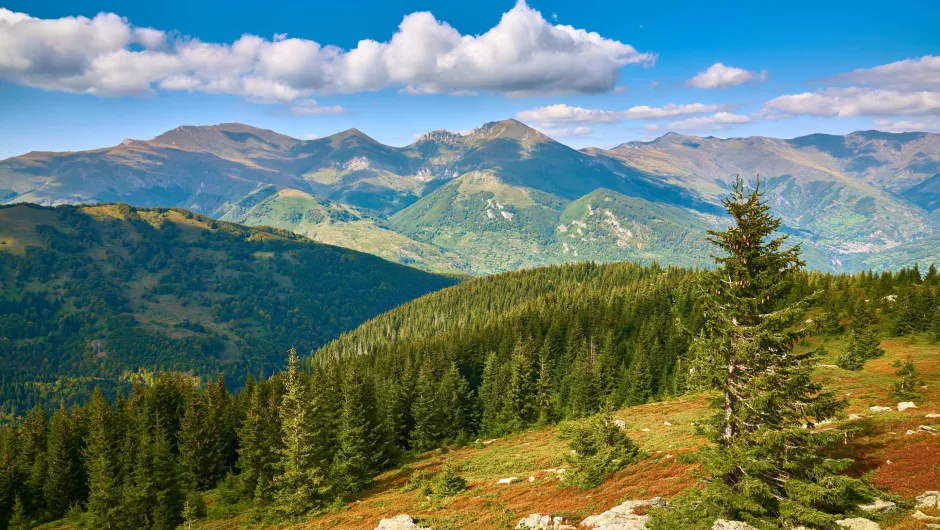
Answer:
(715, 122)
(909, 74)
(561, 114)
(854, 101)
(926, 124)
(566, 132)
(310, 107)
(720, 76)
(108, 56)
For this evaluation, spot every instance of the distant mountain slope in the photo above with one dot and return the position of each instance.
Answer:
(492, 199)
(90, 294)
(810, 181)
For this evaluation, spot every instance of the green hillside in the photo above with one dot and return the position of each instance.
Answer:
(92, 294)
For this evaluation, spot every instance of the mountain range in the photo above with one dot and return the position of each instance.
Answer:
(506, 196)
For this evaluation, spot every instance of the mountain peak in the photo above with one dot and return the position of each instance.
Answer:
(439, 136)
(511, 129)
(351, 133)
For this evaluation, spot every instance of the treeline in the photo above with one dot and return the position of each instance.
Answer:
(491, 356)
(101, 291)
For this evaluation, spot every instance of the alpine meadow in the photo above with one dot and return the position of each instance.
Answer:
(606, 265)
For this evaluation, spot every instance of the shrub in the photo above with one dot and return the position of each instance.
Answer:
(600, 448)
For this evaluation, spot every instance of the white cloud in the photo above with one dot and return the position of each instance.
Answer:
(927, 124)
(309, 107)
(720, 76)
(854, 101)
(108, 56)
(909, 74)
(671, 110)
(561, 114)
(311, 136)
(715, 122)
(565, 132)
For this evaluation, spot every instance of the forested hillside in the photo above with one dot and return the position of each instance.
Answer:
(486, 358)
(102, 295)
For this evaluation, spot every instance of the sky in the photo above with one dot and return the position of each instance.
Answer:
(84, 74)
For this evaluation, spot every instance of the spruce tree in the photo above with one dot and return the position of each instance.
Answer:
(355, 461)
(427, 411)
(63, 482)
(764, 461)
(301, 485)
(906, 387)
(257, 446)
(864, 343)
(101, 462)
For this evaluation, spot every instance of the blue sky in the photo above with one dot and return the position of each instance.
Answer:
(587, 73)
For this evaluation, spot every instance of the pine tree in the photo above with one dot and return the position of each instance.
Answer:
(763, 463)
(18, 521)
(520, 408)
(63, 483)
(257, 446)
(427, 411)
(864, 343)
(301, 485)
(355, 461)
(545, 388)
(101, 458)
(906, 388)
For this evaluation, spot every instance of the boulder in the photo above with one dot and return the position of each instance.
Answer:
(930, 499)
(921, 516)
(622, 517)
(877, 506)
(880, 409)
(507, 480)
(399, 522)
(928, 428)
(537, 521)
(721, 524)
(858, 523)
(904, 405)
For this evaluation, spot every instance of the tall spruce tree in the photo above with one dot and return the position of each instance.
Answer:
(764, 462)
(301, 485)
(101, 462)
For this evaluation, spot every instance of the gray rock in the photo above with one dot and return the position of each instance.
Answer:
(878, 506)
(399, 522)
(921, 516)
(858, 523)
(880, 409)
(930, 499)
(904, 405)
(721, 524)
(537, 521)
(507, 480)
(622, 517)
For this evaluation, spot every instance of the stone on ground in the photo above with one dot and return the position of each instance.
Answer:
(399, 522)
(877, 506)
(930, 499)
(904, 405)
(880, 409)
(858, 523)
(507, 480)
(721, 524)
(622, 517)
(537, 521)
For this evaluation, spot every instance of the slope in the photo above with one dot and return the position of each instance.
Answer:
(92, 293)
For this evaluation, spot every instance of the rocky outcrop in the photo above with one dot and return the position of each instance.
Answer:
(930, 499)
(537, 521)
(399, 522)
(858, 523)
(622, 517)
